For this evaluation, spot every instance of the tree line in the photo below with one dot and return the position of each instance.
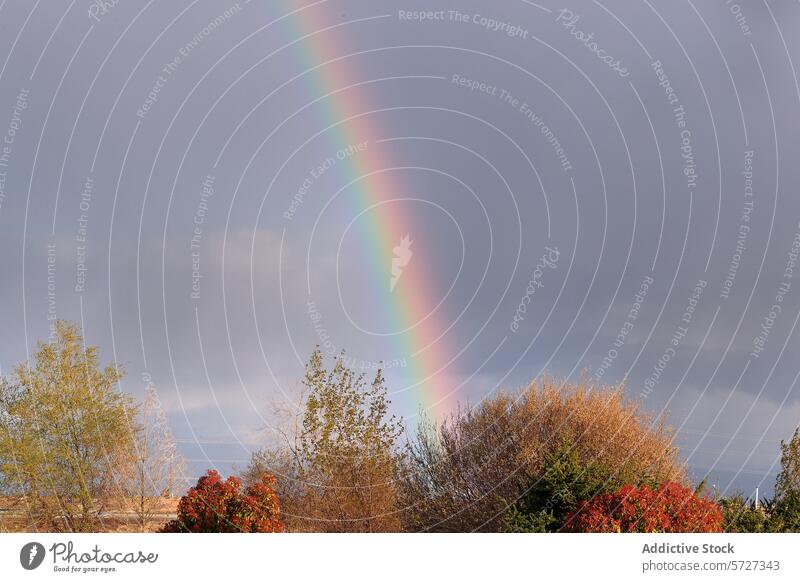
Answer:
(554, 456)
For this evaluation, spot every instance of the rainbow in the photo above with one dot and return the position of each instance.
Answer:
(411, 306)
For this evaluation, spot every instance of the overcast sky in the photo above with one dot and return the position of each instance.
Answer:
(597, 189)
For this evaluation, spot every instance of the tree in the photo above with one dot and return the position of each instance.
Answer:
(338, 474)
(466, 473)
(787, 484)
(65, 431)
(785, 509)
(669, 508)
(158, 467)
(217, 506)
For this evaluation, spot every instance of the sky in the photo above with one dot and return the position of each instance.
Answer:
(473, 194)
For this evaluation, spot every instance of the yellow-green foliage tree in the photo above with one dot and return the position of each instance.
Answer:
(785, 508)
(65, 434)
(346, 449)
(338, 472)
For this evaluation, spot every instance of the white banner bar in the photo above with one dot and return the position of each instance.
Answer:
(371, 557)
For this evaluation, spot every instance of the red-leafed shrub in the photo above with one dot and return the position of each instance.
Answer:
(217, 506)
(669, 508)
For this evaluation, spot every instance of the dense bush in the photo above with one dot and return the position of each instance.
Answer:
(467, 473)
(669, 508)
(741, 516)
(217, 506)
(565, 483)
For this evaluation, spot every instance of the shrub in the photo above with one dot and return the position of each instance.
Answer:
(466, 473)
(566, 482)
(742, 517)
(670, 508)
(217, 506)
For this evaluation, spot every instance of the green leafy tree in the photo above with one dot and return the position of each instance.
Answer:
(65, 433)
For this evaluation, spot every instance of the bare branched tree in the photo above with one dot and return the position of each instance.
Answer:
(157, 469)
(464, 474)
